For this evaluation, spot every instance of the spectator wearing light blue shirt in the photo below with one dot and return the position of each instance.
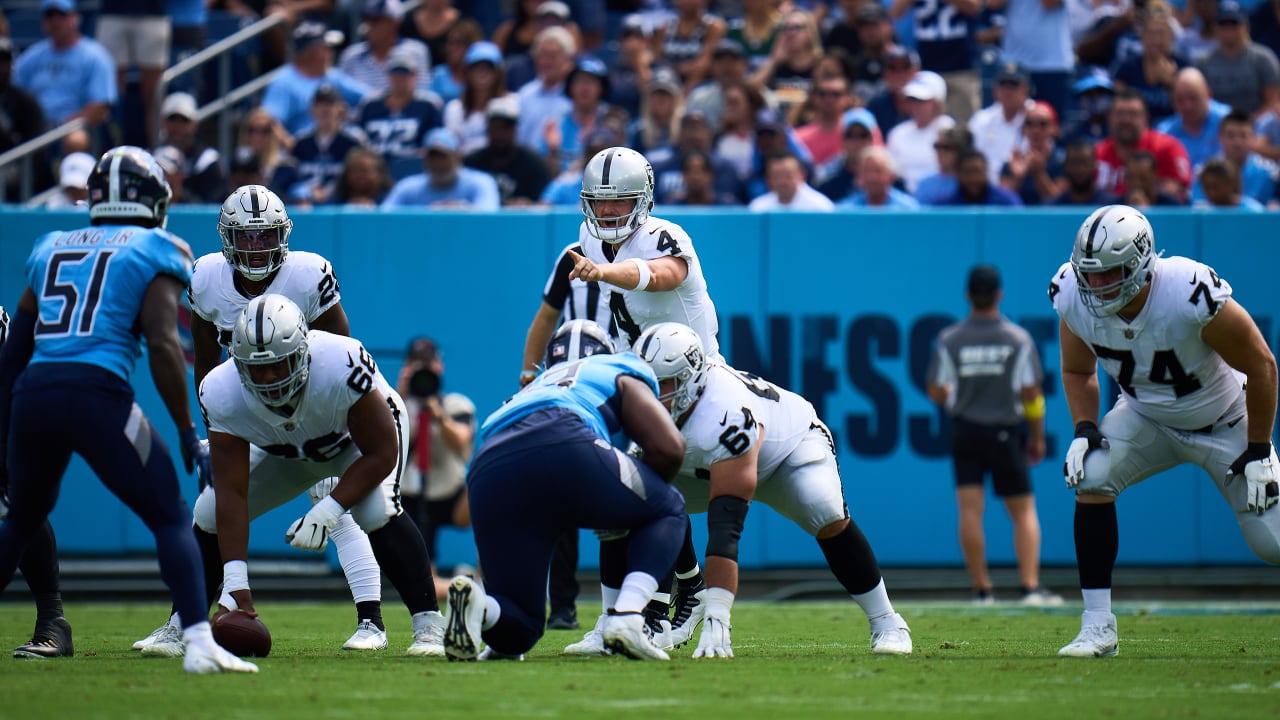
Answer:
(565, 190)
(542, 99)
(1037, 36)
(366, 61)
(1220, 182)
(877, 172)
(288, 96)
(1196, 117)
(70, 75)
(446, 184)
(1257, 174)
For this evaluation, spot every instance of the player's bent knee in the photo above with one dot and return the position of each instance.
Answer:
(833, 529)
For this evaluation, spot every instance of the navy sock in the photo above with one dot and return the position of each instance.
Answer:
(39, 566)
(1097, 544)
(179, 555)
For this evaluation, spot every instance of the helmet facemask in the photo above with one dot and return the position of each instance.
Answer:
(270, 350)
(276, 393)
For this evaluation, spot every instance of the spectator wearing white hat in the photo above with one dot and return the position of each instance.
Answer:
(73, 183)
(911, 141)
(172, 162)
(366, 61)
(203, 181)
(445, 184)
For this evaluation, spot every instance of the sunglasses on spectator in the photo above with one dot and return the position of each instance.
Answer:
(858, 135)
(944, 147)
(260, 129)
(54, 14)
(1039, 123)
(828, 93)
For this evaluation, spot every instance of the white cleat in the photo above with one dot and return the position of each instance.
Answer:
(591, 644)
(166, 642)
(213, 658)
(1094, 640)
(892, 640)
(625, 634)
(490, 654)
(689, 614)
(428, 635)
(159, 633)
(466, 619)
(366, 637)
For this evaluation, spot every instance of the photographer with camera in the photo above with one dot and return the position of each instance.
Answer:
(442, 428)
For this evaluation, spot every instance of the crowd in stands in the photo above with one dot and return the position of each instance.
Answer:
(769, 104)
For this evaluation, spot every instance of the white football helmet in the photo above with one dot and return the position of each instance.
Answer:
(675, 353)
(617, 173)
(575, 340)
(255, 228)
(1114, 236)
(270, 330)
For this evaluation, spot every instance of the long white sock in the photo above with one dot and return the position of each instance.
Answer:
(199, 635)
(1097, 601)
(609, 597)
(875, 603)
(355, 553)
(637, 589)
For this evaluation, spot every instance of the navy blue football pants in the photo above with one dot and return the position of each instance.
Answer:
(546, 474)
(65, 408)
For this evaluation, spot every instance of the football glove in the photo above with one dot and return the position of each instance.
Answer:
(311, 532)
(1262, 481)
(1088, 439)
(195, 456)
(321, 490)
(714, 641)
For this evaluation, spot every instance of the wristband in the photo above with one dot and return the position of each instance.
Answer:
(235, 576)
(643, 267)
(1034, 410)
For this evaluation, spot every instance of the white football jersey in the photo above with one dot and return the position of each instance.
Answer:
(342, 372)
(726, 422)
(1168, 372)
(305, 278)
(633, 311)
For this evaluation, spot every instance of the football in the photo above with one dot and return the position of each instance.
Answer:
(241, 634)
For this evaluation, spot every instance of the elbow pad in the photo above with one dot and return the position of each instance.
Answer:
(726, 514)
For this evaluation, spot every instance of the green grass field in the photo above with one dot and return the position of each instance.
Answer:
(793, 660)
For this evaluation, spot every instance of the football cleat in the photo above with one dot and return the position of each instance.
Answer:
(158, 633)
(490, 654)
(626, 634)
(51, 639)
(892, 640)
(691, 608)
(367, 636)
(166, 642)
(659, 631)
(1094, 640)
(563, 620)
(466, 619)
(1042, 598)
(210, 657)
(428, 635)
(591, 644)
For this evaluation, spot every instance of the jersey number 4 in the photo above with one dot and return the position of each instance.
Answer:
(74, 298)
(1165, 370)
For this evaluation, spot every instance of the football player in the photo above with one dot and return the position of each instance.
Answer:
(550, 459)
(747, 439)
(78, 341)
(255, 260)
(1197, 381)
(39, 565)
(290, 408)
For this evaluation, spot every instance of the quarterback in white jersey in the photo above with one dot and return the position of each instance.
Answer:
(289, 408)
(649, 262)
(746, 439)
(1198, 384)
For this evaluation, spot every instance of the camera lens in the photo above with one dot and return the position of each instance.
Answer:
(424, 383)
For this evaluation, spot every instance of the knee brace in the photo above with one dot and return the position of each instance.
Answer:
(726, 514)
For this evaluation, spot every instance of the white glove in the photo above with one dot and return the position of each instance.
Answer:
(1262, 481)
(311, 532)
(321, 489)
(1088, 438)
(714, 641)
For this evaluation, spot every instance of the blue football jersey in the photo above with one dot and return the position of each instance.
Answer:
(90, 284)
(588, 387)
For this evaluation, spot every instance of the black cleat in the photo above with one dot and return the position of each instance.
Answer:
(563, 620)
(50, 640)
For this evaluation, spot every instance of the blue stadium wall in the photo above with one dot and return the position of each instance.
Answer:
(841, 308)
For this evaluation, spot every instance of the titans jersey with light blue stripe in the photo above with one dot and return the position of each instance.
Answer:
(588, 387)
(90, 284)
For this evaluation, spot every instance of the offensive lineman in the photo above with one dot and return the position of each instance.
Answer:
(749, 439)
(255, 227)
(66, 367)
(293, 407)
(1199, 386)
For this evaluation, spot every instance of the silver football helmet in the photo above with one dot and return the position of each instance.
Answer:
(575, 340)
(272, 330)
(255, 228)
(675, 353)
(617, 173)
(1114, 236)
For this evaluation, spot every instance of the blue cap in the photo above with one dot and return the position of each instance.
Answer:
(1097, 78)
(1231, 11)
(441, 139)
(66, 6)
(308, 33)
(483, 51)
(859, 116)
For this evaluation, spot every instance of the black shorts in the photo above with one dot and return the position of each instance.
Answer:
(440, 512)
(996, 449)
